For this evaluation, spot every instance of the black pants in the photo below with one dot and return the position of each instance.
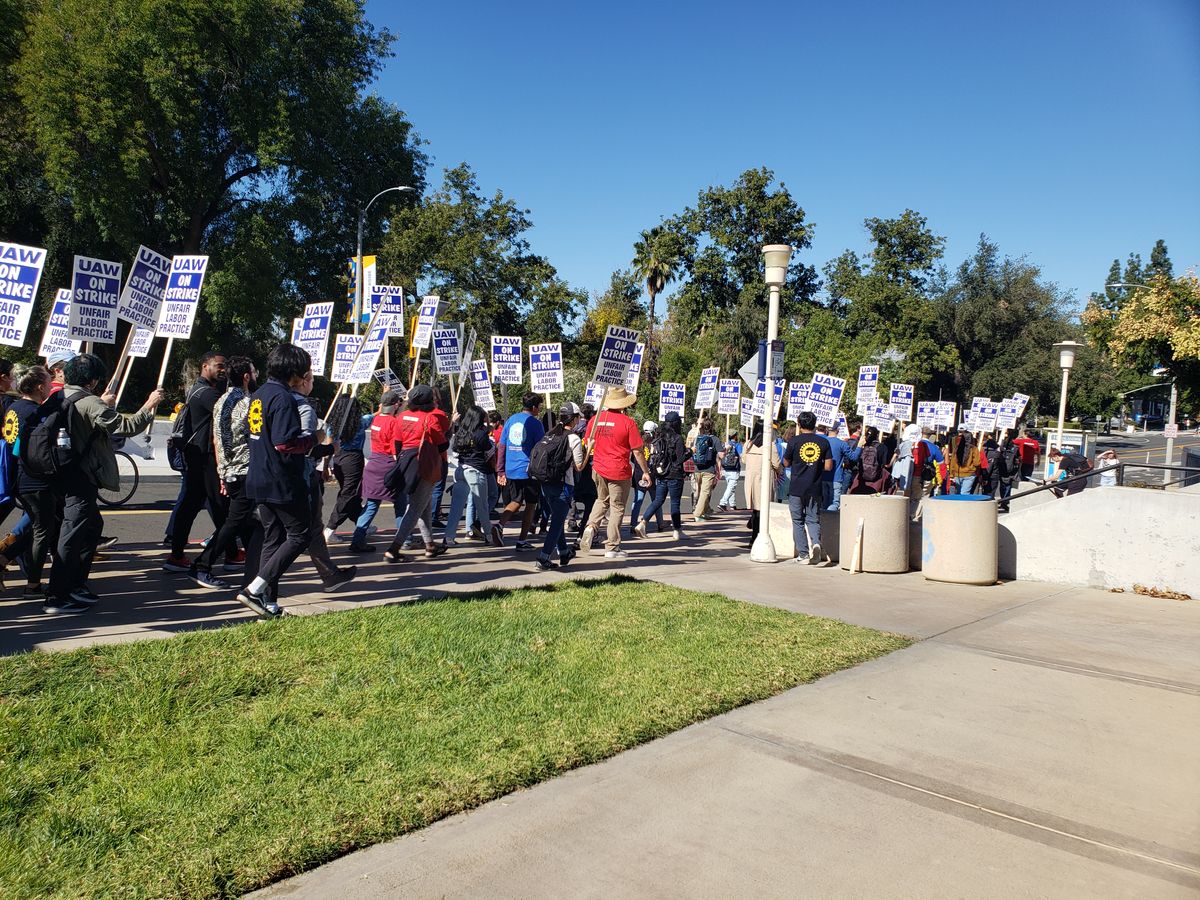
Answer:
(45, 510)
(200, 485)
(240, 522)
(285, 537)
(348, 470)
(77, 539)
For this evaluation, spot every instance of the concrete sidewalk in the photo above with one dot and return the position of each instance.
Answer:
(1040, 741)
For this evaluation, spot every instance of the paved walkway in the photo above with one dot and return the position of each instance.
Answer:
(1039, 741)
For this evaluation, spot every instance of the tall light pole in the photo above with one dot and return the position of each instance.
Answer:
(1066, 359)
(358, 259)
(775, 259)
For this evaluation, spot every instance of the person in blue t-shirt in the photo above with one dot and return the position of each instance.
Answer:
(832, 481)
(521, 432)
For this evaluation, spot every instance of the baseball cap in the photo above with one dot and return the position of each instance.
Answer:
(672, 416)
(390, 398)
(569, 410)
(56, 359)
(650, 427)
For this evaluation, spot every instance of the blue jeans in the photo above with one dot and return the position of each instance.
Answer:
(438, 490)
(470, 492)
(662, 488)
(370, 509)
(729, 498)
(557, 499)
(964, 485)
(640, 494)
(831, 494)
(805, 511)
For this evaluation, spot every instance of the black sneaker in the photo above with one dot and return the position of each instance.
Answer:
(85, 595)
(209, 581)
(256, 603)
(564, 559)
(543, 563)
(55, 607)
(339, 579)
(523, 546)
(497, 536)
(272, 609)
(432, 551)
(360, 548)
(33, 592)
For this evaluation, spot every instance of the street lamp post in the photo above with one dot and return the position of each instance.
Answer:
(358, 259)
(775, 259)
(1066, 359)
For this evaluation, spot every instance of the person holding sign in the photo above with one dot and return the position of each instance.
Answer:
(613, 436)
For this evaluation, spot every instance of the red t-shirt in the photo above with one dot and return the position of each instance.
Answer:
(382, 440)
(616, 436)
(1029, 448)
(411, 424)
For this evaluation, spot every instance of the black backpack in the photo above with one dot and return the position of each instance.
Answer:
(660, 456)
(733, 459)
(706, 452)
(40, 454)
(551, 457)
(870, 469)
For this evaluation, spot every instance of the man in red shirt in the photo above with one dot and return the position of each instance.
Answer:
(1031, 451)
(612, 437)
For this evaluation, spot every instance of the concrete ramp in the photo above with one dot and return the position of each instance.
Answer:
(1106, 537)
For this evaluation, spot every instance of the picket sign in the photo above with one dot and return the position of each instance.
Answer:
(357, 353)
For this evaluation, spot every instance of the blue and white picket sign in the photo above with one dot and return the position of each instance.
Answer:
(1023, 400)
(616, 356)
(426, 318)
(142, 298)
(55, 337)
(825, 397)
(314, 334)
(985, 418)
(95, 289)
(901, 398)
(878, 415)
(345, 348)
(1009, 412)
(759, 406)
(481, 384)
(139, 347)
(446, 349)
(391, 298)
(671, 398)
(506, 359)
(946, 410)
(797, 399)
(729, 393)
(843, 430)
(297, 326)
(182, 297)
(595, 394)
(927, 413)
(706, 395)
(546, 368)
(389, 380)
(364, 367)
(868, 383)
(634, 376)
(20, 274)
(468, 357)
(747, 412)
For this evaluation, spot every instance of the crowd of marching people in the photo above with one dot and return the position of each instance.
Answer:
(253, 451)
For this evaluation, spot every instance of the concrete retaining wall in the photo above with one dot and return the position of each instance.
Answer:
(1106, 537)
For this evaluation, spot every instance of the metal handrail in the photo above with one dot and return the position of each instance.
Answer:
(1101, 470)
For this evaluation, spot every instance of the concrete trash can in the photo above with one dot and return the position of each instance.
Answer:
(959, 535)
(885, 532)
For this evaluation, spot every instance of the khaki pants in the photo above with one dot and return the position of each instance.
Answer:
(612, 499)
(707, 484)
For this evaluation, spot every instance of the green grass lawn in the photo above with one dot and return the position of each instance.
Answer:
(218, 761)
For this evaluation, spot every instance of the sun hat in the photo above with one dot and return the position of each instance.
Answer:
(619, 398)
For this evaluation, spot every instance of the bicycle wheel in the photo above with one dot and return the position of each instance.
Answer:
(128, 471)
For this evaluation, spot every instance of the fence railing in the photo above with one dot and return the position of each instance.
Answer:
(1106, 470)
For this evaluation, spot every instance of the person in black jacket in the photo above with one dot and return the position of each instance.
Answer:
(668, 454)
(201, 485)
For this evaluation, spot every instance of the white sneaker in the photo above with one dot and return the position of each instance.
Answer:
(640, 529)
(815, 556)
(585, 540)
(677, 534)
(329, 535)
(616, 554)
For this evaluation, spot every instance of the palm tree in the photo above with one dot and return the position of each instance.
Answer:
(654, 262)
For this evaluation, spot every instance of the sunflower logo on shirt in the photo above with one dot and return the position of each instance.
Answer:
(11, 427)
(254, 418)
(810, 452)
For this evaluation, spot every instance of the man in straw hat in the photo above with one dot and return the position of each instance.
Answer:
(613, 436)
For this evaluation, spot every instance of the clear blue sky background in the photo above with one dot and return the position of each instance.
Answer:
(1069, 132)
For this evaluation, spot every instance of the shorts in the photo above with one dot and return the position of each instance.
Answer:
(523, 490)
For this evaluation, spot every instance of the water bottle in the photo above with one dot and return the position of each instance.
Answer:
(64, 439)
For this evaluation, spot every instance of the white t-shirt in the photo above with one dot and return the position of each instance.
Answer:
(578, 455)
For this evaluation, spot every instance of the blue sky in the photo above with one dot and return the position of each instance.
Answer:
(1069, 132)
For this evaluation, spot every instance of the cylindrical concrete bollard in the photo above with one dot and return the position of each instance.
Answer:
(959, 539)
(885, 532)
